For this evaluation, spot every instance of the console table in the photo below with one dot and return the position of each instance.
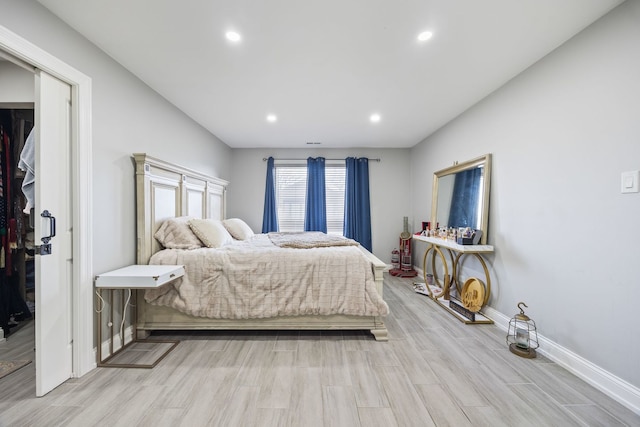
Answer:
(441, 294)
(128, 278)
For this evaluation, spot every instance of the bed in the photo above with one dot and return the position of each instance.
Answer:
(168, 192)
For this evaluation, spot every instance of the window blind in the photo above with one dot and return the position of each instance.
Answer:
(334, 182)
(291, 184)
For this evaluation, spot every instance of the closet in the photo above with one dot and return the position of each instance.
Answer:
(17, 275)
(17, 304)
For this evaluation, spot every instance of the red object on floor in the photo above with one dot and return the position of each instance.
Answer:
(406, 266)
(401, 273)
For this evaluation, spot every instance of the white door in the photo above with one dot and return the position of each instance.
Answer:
(53, 195)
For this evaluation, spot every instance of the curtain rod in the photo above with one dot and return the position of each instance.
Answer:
(264, 159)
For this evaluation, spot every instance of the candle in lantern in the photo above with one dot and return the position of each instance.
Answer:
(522, 338)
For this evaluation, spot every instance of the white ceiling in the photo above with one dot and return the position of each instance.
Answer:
(324, 66)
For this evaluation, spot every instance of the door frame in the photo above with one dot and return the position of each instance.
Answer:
(82, 318)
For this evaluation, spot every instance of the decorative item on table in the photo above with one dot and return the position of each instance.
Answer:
(406, 265)
(443, 232)
(468, 236)
(452, 234)
(426, 228)
(522, 336)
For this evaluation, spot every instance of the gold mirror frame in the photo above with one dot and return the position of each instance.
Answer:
(482, 161)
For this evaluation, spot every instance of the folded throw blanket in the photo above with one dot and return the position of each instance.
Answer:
(309, 239)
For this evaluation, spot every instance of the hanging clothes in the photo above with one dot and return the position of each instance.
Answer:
(13, 307)
(7, 179)
(27, 165)
(4, 191)
(3, 205)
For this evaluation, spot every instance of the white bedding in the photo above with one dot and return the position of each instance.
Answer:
(255, 279)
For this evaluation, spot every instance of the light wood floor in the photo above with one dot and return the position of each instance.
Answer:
(433, 371)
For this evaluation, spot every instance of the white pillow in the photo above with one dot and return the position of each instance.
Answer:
(238, 228)
(175, 233)
(211, 232)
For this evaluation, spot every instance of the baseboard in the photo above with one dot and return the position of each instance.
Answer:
(611, 385)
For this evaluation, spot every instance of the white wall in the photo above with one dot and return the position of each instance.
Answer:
(388, 181)
(16, 84)
(566, 239)
(127, 117)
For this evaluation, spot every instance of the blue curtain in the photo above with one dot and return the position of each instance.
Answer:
(464, 202)
(270, 215)
(315, 214)
(357, 206)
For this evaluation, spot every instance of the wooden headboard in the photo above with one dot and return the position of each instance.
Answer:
(165, 190)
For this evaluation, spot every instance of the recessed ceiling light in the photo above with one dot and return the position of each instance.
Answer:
(272, 118)
(232, 36)
(424, 36)
(375, 118)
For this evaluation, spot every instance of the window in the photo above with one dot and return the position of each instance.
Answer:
(334, 183)
(291, 186)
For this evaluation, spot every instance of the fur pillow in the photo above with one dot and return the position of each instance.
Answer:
(175, 233)
(211, 232)
(238, 228)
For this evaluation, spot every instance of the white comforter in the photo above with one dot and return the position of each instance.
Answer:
(255, 279)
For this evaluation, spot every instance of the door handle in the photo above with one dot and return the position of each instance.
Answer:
(45, 248)
(52, 226)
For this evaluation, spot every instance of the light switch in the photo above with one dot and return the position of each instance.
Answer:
(629, 182)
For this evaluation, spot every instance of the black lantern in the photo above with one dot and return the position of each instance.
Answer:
(522, 336)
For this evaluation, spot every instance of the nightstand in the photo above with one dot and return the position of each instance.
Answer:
(130, 278)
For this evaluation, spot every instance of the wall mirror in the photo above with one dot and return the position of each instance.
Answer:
(461, 195)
